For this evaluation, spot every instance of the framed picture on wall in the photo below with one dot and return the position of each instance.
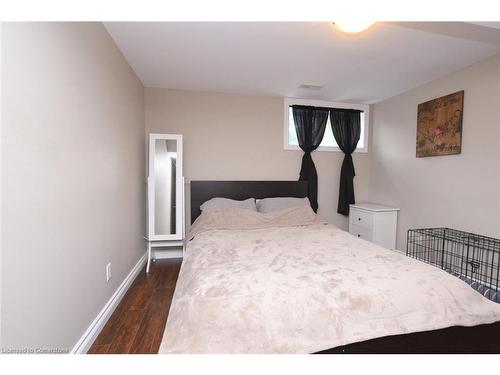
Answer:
(439, 126)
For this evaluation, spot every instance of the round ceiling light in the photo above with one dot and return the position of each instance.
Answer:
(353, 26)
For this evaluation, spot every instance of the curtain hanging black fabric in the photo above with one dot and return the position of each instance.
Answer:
(346, 128)
(310, 124)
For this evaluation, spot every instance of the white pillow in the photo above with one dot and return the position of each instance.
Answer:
(277, 204)
(218, 203)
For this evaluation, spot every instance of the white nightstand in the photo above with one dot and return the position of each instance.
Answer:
(375, 223)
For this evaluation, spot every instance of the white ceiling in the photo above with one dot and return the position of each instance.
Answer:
(276, 58)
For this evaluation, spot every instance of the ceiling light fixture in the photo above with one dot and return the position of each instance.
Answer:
(353, 25)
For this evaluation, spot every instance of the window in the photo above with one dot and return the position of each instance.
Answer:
(328, 143)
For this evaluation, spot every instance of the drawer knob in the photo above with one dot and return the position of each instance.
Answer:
(359, 219)
(359, 235)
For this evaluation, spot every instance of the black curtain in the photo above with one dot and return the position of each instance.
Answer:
(346, 127)
(310, 124)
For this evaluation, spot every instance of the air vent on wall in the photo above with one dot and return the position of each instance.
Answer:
(310, 87)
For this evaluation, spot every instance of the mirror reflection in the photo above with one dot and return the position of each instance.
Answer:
(165, 185)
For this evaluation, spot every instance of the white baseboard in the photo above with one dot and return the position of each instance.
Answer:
(167, 254)
(87, 339)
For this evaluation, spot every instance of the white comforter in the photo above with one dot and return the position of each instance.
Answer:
(286, 283)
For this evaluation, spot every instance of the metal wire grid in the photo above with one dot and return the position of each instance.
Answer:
(471, 257)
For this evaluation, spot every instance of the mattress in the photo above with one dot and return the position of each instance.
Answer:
(286, 282)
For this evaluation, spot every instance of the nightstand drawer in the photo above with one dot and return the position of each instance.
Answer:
(362, 218)
(361, 232)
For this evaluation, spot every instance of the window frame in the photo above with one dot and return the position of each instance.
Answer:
(287, 102)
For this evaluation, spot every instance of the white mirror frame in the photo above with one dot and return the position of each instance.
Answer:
(179, 190)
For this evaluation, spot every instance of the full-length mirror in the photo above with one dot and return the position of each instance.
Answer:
(165, 193)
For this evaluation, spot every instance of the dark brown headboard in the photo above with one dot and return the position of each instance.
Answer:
(202, 191)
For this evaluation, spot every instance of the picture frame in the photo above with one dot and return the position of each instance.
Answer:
(439, 126)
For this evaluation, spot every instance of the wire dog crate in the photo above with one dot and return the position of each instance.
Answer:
(473, 258)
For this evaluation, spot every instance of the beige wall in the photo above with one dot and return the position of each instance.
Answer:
(458, 191)
(72, 179)
(240, 137)
(1, 125)
(72, 157)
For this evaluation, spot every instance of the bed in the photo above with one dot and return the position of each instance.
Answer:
(289, 283)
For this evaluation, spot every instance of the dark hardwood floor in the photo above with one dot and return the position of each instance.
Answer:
(138, 322)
